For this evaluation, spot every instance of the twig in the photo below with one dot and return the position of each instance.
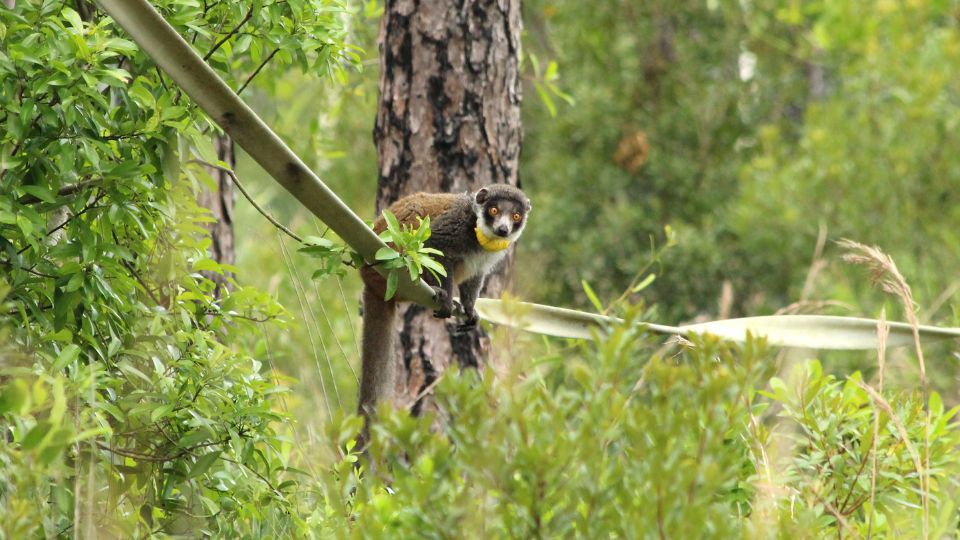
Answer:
(243, 190)
(140, 280)
(89, 207)
(99, 137)
(230, 34)
(215, 313)
(68, 189)
(257, 71)
(901, 430)
(263, 478)
(834, 512)
(426, 390)
(33, 124)
(36, 273)
(131, 454)
(941, 300)
(883, 329)
(816, 264)
(156, 459)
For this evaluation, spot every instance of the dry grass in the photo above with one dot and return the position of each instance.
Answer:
(883, 330)
(884, 273)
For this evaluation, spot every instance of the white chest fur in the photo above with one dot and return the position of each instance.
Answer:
(480, 262)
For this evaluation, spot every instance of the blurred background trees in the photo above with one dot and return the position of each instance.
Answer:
(758, 132)
(745, 127)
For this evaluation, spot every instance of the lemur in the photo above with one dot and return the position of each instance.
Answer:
(473, 230)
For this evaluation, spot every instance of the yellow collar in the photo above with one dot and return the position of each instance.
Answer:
(491, 244)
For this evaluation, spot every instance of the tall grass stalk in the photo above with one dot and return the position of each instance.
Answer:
(884, 273)
(883, 329)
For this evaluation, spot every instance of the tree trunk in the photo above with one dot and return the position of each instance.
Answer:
(448, 120)
(220, 203)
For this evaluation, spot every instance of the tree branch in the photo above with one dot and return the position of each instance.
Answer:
(243, 190)
(257, 71)
(230, 34)
(64, 191)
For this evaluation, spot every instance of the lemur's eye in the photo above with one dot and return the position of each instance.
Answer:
(493, 210)
(516, 217)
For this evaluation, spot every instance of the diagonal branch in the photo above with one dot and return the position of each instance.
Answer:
(230, 34)
(246, 194)
(257, 71)
(175, 56)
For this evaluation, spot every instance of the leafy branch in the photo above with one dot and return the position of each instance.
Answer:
(408, 252)
(236, 181)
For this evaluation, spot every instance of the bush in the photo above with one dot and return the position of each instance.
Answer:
(628, 437)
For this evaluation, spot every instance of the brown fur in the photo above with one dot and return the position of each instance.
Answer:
(453, 218)
(408, 210)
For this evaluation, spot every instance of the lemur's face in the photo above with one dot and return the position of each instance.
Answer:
(502, 211)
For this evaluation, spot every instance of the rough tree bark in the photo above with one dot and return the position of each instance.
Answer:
(448, 120)
(220, 203)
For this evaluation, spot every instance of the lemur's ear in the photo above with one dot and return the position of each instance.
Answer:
(481, 195)
(527, 205)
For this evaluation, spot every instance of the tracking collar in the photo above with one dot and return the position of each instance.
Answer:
(491, 244)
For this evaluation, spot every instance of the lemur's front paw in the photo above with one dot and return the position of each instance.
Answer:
(445, 301)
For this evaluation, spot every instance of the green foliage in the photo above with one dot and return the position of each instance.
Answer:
(545, 80)
(656, 137)
(631, 438)
(137, 400)
(134, 400)
(830, 424)
(735, 215)
(867, 159)
(405, 252)
(746, 127)
(332, 257)
(408, 252)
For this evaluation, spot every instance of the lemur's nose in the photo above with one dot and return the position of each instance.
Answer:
(502, 230)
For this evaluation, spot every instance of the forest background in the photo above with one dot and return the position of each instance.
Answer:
(720, 148)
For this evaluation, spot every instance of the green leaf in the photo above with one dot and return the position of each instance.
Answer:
(592, 296)
(318, 241)
(73, 18)
(203, 463)
(386, 254)
(36, 435)
(42, 193)
(59, 407)
(413, 267)
(25, 225)
(50, 453)
(935, 404)
(644, 283)
(423, 230)
(433, 266)
(545, 98)
(14, 396)
(67, 356)
(91, 433)
(64, 335)
(551, 72)
(208, 265)
(160, 412)
(392, 224)
(392, 278)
